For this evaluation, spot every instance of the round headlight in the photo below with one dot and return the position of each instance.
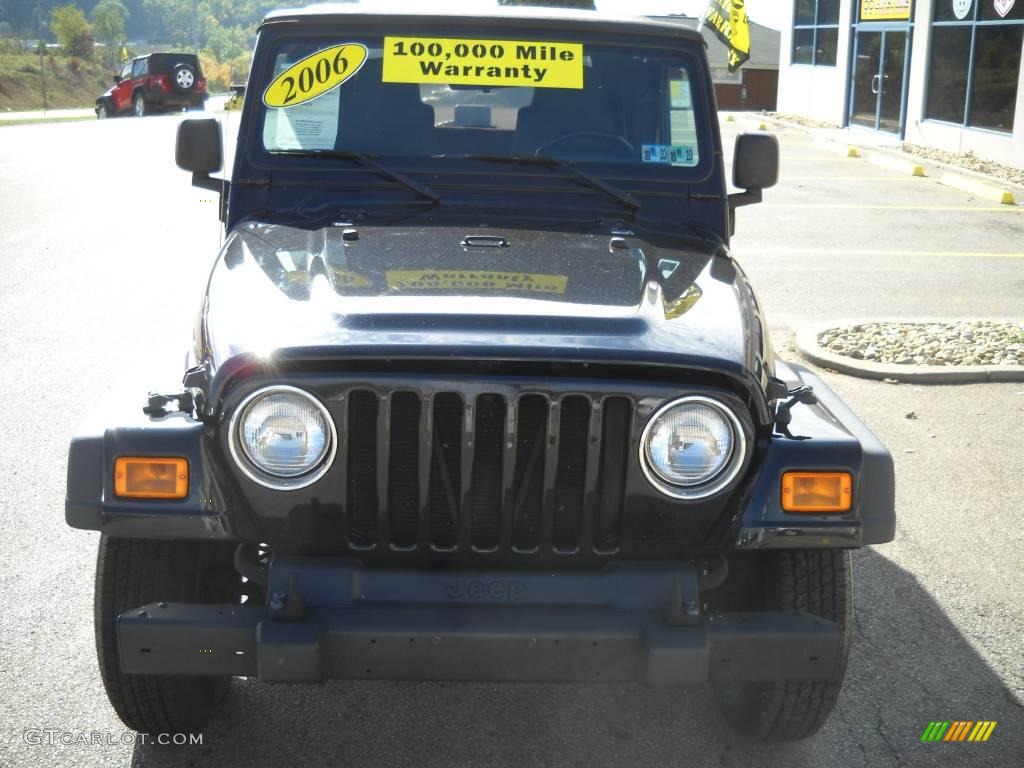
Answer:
(283, 438)
(692, 447)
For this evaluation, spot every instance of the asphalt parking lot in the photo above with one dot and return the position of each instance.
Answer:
(104, 245)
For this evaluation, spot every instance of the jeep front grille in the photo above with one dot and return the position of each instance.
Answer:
(484, 471)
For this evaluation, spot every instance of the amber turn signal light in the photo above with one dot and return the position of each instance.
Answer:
(149, 477)
(817, 492)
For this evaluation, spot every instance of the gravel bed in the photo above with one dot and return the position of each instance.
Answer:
(807, 122)
(969, 161)
(941, 343)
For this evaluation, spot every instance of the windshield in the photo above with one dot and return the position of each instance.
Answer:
(422, 97)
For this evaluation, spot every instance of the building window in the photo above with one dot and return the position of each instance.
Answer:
(975, 64)
(815, 32)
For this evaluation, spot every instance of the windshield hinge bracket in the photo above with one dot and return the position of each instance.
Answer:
(802, 394)
(163, 405)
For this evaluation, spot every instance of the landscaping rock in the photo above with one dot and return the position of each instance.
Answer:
(963, 342)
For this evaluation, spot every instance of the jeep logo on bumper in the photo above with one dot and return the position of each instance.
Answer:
(486, 589)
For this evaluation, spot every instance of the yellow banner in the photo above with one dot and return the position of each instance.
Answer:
(884, 10)
(434, 279)
(483, 62)
(729, 21)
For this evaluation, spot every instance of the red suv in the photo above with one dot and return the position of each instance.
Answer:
(154, 83)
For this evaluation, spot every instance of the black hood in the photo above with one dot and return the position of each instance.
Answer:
(496, 294)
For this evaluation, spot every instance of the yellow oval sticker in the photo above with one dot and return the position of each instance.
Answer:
(315, 75)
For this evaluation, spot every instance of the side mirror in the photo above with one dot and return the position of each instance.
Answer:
(755, 162)
(755, 167)
(199, 147)
(117, 79)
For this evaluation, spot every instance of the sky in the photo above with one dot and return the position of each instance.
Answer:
(770, 13)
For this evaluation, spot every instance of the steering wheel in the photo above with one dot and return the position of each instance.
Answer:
(607, 136)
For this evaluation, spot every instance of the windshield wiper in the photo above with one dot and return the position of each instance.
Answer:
(347, 154)
(552, 162)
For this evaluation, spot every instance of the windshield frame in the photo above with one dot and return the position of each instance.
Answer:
(654, 39)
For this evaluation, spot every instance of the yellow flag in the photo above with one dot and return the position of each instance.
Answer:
(124, 54)
(728, 19)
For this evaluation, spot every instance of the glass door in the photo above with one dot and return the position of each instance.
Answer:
(890, 84)
(879, 79)
(866, 66)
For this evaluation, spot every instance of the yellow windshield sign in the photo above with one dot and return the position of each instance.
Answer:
(483, 62)
(473, 280)
(315, 75)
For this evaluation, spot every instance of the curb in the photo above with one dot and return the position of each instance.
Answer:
(807, 344)
(894, 163)
(964, 179)
(846, 150)
(46, 120)
(985, 190)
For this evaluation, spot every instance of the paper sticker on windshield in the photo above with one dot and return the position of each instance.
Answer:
(315, 75)
(483, 62)
(668, 155)
(311, 125)
(434, 279)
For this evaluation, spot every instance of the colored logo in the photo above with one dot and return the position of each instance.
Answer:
(958, 730)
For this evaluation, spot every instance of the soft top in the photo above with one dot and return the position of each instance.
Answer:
(165, 59)
(380, 13)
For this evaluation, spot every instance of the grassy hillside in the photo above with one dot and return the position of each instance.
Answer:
(69, 82)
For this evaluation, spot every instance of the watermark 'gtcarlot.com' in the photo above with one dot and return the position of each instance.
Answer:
(54, 737)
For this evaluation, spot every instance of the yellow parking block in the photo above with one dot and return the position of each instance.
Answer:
(838, 147)
(897, 164)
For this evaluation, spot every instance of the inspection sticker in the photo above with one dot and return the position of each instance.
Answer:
(433, 279)
(315, 75)
(667, 155)
(483, 62)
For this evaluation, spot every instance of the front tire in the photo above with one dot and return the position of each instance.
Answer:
(135, 572)
(818, 582)
(101, 111)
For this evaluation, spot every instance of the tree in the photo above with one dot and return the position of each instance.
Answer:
(73, 31)
(108, 24)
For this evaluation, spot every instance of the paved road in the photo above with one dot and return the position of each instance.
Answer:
(215, 103)
(102, 261)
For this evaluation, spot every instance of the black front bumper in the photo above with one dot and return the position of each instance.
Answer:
(333, 619)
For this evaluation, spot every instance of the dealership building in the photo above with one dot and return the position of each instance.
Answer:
(938, 73)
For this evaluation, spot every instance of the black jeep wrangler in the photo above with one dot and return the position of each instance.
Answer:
(477, 392)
